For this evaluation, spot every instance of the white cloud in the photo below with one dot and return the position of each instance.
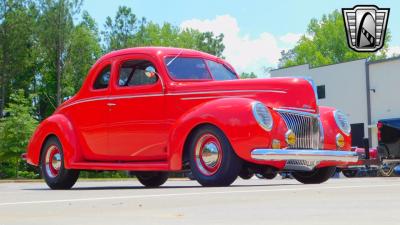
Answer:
(242, 51)
(393, 51)
(290, 38)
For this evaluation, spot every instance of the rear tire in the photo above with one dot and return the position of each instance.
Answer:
(246, 174)
(52, 166)
(212, 159)
(350, 173)
(152, 179)
(316, 176)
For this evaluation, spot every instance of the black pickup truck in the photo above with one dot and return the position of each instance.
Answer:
(389, 144)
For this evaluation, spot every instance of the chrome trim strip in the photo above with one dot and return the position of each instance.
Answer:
(133, 96)
(296, 112)
(321, 135)
(171, 94)
(92, 99)
(228, 91)
(297, 109)
(303, 154)
(220, 96)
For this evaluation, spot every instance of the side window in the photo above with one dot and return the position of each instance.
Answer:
(220, 72)
(187, 68)
(103, 78)
(133, 73)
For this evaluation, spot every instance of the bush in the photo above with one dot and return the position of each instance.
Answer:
(15, 130)
(28, 175)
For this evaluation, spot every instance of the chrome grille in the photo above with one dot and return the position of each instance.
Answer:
(303, 165)
(305, 126)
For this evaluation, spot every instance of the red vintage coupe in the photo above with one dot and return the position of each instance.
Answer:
(153, 110)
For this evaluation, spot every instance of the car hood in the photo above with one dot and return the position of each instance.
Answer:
(284, 93)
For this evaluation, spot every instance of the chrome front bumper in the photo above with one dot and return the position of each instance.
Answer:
(316, 155)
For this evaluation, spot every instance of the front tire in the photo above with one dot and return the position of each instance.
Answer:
(152, 179)
(52, 166)
(212, 159)
(316, 176)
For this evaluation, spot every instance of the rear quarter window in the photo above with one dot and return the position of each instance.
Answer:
(103, 78)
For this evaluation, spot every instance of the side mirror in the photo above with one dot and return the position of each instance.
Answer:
(150, 71)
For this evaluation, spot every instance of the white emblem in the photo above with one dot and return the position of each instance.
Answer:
(365, 27)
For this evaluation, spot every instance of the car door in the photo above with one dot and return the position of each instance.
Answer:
(89, 114)
(137, 124)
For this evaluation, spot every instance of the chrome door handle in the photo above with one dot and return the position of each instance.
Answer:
(110, 104)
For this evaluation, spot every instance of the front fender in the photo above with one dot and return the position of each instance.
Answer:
(61, 127)
(232, 115)
(331, 129)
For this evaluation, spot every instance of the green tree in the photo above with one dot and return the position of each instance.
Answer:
(120, 32)
(56, 28)
(245, 75)
(126, 30)
(84, 50)
(17, 64)
(326, 43)
(17, 127)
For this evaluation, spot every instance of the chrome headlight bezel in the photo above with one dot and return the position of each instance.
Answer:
(342, 122)
(262, 115)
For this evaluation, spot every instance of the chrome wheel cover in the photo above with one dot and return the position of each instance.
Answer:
(208, 154)
(53, 161)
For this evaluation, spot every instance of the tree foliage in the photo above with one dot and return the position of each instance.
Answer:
(17, 47)
(326, 43)
(17, 127)
(126, 30)
(245, 75)
(54, 35)
(46, 50)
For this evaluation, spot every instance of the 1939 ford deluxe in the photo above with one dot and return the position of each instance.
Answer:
(153, 110)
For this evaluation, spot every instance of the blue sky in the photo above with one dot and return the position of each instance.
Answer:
(256, 31)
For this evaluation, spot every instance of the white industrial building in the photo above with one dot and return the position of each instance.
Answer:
(365, 91)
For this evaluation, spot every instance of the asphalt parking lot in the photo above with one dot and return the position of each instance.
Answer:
(255, 201)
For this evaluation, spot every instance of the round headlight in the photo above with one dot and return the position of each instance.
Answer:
(262, 115)
(342, 121)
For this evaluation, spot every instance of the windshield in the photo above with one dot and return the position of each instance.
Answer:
(185, 68)
(220, 71)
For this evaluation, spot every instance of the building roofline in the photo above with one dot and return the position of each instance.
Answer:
(383, 60)
(315, 67)
(291, 67)
(366, 61)
(339, 63)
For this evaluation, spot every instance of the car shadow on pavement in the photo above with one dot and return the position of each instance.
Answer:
(94, 188)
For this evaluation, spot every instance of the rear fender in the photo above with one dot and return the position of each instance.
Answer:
(56, 125)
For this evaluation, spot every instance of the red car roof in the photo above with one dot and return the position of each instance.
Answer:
(160, 51)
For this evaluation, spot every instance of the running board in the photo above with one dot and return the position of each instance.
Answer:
(134, 166)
